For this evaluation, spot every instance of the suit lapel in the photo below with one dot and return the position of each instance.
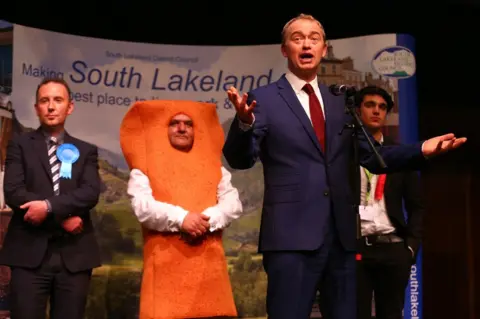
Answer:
(288, 94)
(42, 151)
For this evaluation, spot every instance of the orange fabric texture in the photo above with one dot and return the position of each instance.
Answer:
(179, 280)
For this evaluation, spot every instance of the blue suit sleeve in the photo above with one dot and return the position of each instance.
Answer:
(242, 147)
(397, 157)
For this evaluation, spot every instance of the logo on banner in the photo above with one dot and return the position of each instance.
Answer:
(394, 62)
(413, 308)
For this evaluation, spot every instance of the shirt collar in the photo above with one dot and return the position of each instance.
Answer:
(298, 84)
(60, 137)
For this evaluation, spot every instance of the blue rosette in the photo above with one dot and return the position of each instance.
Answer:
(67, 154)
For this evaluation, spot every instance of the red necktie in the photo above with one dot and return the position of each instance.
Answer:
(316, 114)
(380, 186)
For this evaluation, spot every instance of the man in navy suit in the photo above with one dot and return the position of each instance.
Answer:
(308, 227)
(51, 183)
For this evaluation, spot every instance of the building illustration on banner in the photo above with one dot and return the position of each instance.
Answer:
(115, 286)
(333, 70)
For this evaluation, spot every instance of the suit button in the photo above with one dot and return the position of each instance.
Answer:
(325, 193)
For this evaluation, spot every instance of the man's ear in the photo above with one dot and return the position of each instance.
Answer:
(36, 108)
(284, 51)
(70, 107)
(324, 51)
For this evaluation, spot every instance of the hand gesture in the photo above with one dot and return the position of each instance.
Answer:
(441, 144)
(244, 111)
(36, 211)
(195, 224)
(73, 225)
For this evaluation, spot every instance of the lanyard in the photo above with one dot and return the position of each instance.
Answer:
(379, 187)
(369, 184)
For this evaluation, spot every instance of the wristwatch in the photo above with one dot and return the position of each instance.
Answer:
(49, 206)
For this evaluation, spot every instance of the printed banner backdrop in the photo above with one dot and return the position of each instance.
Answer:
(107, 76)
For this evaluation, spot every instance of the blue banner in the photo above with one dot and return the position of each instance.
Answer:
(408, 120)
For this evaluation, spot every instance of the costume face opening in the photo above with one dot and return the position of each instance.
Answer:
(181, 132)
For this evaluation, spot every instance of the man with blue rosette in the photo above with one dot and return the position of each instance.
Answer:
(51, 183)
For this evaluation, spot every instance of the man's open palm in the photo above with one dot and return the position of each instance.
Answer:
(244, 111)
(442, 144)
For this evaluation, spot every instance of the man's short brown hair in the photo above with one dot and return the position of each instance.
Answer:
(54, 80)
(301, 16)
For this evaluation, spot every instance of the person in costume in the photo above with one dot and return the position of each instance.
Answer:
(51, 183)
(183, 197)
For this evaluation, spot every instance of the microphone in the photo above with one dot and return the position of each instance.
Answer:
(341, 89)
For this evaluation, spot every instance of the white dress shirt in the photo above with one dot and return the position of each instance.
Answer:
(297, 85)
(165, 217)
(373, 213)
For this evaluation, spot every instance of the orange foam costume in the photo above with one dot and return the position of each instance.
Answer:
(179, 280)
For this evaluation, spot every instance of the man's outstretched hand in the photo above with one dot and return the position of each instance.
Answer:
(244, 111)
(441, 144)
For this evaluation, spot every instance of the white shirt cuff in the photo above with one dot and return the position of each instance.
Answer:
(215, 221)
(180, 217)
(244, 126)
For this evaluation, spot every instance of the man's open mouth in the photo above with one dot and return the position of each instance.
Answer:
(306, 56)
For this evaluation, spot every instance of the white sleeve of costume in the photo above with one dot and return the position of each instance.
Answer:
(150, 213)
(228, 207)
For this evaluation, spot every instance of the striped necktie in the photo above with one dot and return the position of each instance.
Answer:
(54, 164)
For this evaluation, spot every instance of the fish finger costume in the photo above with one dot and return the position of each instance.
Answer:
(180, 280)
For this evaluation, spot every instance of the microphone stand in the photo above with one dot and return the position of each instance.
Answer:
(355, 126)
